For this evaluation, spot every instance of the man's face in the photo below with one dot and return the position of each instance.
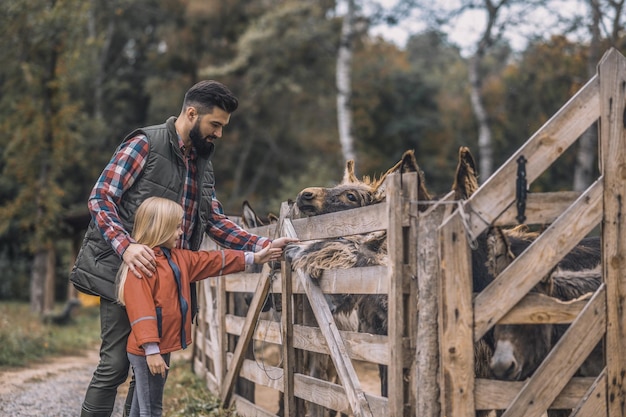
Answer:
(207, 128)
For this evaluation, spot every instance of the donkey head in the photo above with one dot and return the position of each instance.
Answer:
(353, 193)
(519, 348)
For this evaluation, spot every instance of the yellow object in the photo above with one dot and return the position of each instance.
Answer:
(87, 300)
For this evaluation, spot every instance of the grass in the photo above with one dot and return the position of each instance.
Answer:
(186, 395)
(26, 340)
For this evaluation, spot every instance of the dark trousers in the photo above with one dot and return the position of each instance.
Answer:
(113, 367)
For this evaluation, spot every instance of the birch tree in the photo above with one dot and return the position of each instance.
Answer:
(344, 83)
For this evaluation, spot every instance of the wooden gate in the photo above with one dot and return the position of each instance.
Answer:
(571, 217)
(223, 337)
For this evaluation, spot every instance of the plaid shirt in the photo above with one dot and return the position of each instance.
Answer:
(121, 173)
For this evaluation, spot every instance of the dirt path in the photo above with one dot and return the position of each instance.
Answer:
(56, 388)
(51, 389)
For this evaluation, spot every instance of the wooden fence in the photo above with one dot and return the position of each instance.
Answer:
(434, 318)
(221, 360)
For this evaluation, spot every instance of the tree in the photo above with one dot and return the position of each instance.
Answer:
(41, 123)
(283, 72)
(344, 87)
(607, 14)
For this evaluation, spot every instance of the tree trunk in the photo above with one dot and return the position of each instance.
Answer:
(48, 301)
(485, 146)
(344, 88)
(587, 144)
(42, 280)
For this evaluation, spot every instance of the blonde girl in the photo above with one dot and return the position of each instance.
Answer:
(158, 306)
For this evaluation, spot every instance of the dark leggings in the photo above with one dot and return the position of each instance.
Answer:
(112, 369)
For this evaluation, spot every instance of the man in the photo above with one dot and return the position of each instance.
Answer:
(172, 160)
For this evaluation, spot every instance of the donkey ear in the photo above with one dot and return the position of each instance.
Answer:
(466, 177)
(249, 217)
(348, 175)
(407, 163)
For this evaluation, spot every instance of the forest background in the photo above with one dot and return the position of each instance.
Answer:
(317, 84)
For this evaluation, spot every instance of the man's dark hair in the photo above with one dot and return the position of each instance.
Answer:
(207, 94)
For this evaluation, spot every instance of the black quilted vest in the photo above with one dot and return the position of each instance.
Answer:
(96, 265)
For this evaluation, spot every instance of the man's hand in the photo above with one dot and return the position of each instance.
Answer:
(267, 254)
(281, 242)
(140, 259)
(156, 364)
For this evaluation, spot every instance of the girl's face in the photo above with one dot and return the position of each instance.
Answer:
(171, 242)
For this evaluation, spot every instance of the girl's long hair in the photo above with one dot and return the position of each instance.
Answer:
(156, 221)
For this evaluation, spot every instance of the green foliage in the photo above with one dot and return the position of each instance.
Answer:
(78, 76)
(25, 338)
(41, 121)
(546, 77)
(186, 395)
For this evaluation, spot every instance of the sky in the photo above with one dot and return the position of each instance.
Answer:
(466, 30)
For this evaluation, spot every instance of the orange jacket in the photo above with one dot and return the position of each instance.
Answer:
(152, 304)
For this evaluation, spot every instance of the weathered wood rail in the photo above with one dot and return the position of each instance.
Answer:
(434, 316)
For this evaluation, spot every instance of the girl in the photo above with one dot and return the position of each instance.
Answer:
(158, 306)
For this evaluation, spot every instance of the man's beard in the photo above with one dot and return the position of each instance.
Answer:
(203, 148)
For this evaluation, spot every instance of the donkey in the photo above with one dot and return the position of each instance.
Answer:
(520, 349)
(251, 219)
(370, 249)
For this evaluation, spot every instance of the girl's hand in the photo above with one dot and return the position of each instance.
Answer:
(156, 364)
(267, 254)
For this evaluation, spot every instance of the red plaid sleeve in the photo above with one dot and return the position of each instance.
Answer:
(117, 177)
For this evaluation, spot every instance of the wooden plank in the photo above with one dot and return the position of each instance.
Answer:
(541, 150)
(541, 208)
(246, 408)
(217, 326)
(455, 320)
(343, 223)
(327, 394)
(612, 73)
(312, 390)
(536, 261)
(593, 403)
(491, 394)
(215, 347)
(341, 360)
(395, 311)
(368, 279)
(410, 220)
(563, 361)
(288, 349)
(360, 346)
(537, 308)
(424, 382)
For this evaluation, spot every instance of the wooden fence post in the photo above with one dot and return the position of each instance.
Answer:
(612, 73)
(456, 320)
(425, 381)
